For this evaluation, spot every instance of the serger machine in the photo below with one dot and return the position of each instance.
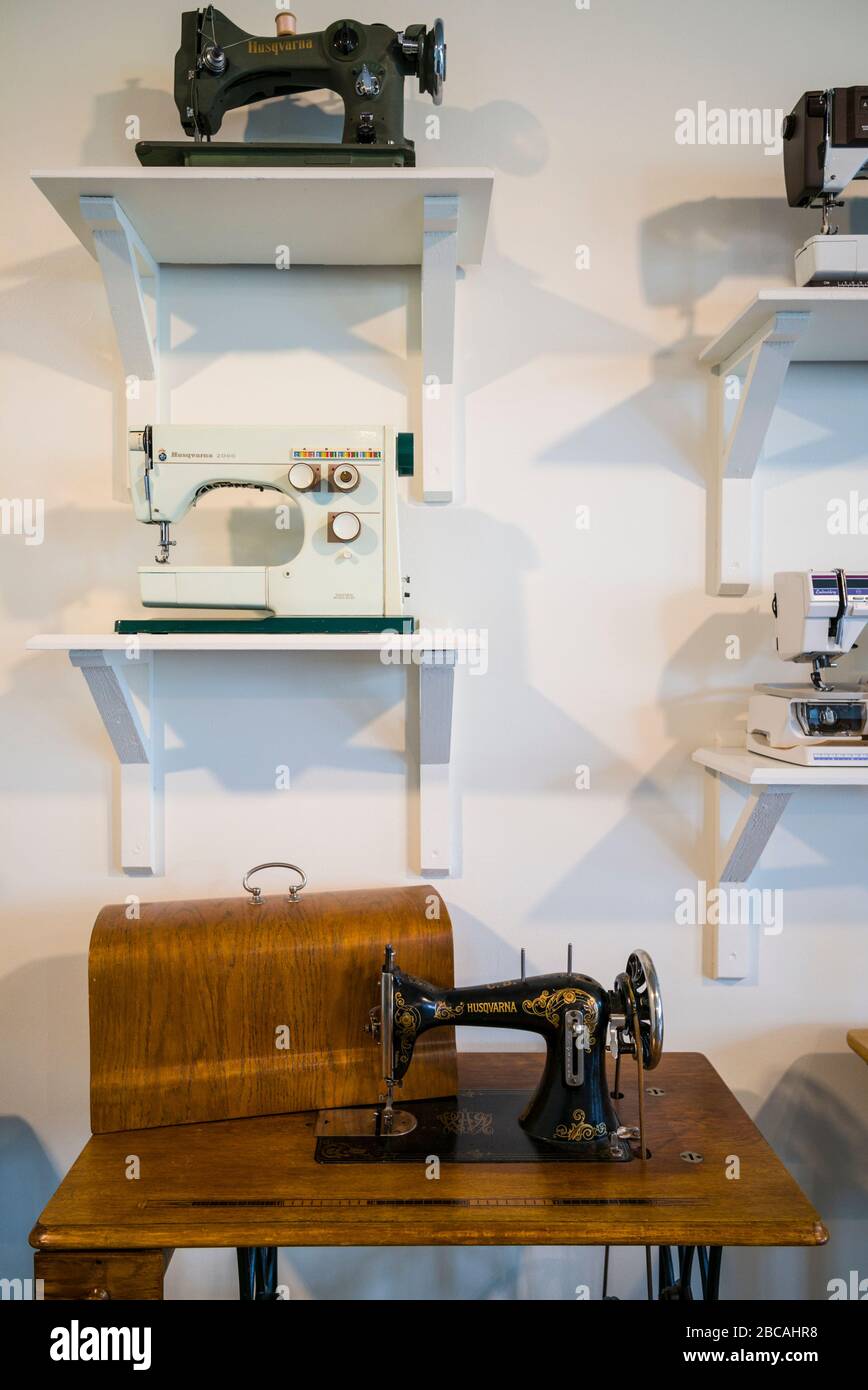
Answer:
(220, 67)
(818, 618)
(571, 1114)
(337, 508)
(826, 149)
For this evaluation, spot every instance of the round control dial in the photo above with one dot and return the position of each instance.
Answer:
(303, 477)
(345, 526)
(344, 477)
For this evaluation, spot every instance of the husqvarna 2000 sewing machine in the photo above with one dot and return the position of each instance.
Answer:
(818, 617)
(570, 1116)
(825, 149)
(220, 67)
(342, 571)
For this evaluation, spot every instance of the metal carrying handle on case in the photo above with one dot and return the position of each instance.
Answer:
(256, 893)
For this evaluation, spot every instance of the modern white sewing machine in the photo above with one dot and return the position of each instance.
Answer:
(337, 505)
(825, 149)
(818, 617)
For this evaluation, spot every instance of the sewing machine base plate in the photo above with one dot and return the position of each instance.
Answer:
(404, 626)
(188, 154)
(834, 753)
(479, 1126)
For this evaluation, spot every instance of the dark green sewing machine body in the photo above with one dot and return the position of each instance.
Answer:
(219, 67)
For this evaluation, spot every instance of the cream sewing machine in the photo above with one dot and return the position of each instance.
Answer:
(337, 504)
(818, 617)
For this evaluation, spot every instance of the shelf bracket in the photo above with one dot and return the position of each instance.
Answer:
(730, 939)
(748, 388)
(439, 270)
(132, 278)
(436, 692)
(121, 686)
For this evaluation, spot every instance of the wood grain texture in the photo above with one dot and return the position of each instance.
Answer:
(255, 1182)
(185, 1003)
(100, 1275)
(857, 1038)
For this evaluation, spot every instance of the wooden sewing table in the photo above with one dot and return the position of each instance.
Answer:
(857, 1039)
(255, 1183)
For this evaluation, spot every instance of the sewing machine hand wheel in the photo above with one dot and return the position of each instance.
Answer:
(256, 893)
(432, 68)
(643, 990)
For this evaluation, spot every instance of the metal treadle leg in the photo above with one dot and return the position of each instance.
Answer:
(666, 1274)
(715, 1255)
(257, 1273)
(686, 1255)
(670, 1288)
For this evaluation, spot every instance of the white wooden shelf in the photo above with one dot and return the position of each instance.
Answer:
(238, 216)
(121, 673)
(771, 783)
(133, 220)
(778, 327)
(246, 642)
(756, 771)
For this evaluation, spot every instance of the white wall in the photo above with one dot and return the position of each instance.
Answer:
(580, 387)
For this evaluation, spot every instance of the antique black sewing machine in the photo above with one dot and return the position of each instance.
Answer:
(220, 67)
(570, 1115)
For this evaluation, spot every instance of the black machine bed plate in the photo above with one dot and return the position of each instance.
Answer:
(473, 1127)
(275, 154)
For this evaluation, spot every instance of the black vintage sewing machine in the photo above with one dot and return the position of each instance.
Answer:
(220, 67)
(570, 1116)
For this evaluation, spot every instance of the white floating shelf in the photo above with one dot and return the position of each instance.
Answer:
(778, 327)
(245, 642)
(121, 671)
(756, 771)
(135, 220)
(837, 331)
(770, 782)
(238, 216)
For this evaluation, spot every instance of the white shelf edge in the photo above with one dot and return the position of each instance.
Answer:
(768, 302)
(378, 232)
(753, 770)
(346, 173)
(244, 642)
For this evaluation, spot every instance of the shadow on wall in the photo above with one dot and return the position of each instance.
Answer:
(43, 1032)
(27, 1180)
(490, 1273)
(685, 252)
(816, 1120)
(662, 833)
(660, 825)
(501, 134)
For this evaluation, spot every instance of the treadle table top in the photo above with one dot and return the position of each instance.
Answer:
(857, 1038)
(255, 1182)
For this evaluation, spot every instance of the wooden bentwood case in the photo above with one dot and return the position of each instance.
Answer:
(188, 1003)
